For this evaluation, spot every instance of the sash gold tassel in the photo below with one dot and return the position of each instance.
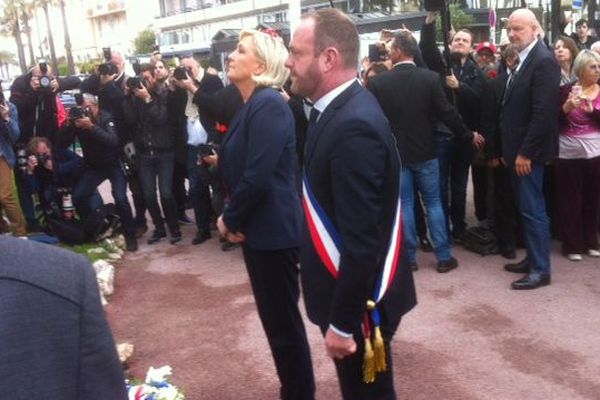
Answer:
(368, 363)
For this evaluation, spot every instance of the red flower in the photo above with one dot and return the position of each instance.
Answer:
(492, 73)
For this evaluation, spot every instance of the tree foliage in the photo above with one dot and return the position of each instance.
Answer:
(458, 18)
(144, 42)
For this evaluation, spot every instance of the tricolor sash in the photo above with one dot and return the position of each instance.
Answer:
(327, 241)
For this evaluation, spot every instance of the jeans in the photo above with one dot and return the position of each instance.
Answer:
(426, 176)
(199, 190)
(89, 182)
(529, 196)
(159, 165)
(135, 186)
(454, 156)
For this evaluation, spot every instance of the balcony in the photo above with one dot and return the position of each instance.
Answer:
(103, 9)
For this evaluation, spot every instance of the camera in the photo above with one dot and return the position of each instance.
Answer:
(180, 73)
(42, 158)
(22, 159)
(205, 150)
(78, 112)
(45, 79)
(377, 52)
(135, 82)
(107, 68)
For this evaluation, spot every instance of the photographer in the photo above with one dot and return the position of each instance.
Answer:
(110, 85)
(198, 129)
(99, 141)
(35, 95)
(463, 84)
(154, 142)
(9, 134)
(50, 172)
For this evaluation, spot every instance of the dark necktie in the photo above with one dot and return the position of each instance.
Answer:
(314, 115)
(511, 80)
(310, 131)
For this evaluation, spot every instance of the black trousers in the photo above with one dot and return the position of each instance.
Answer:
(505, 213)
(274, 279)
(350, 373)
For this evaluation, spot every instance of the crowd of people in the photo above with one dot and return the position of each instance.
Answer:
(375, 161)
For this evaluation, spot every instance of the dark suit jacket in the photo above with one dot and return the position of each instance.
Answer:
(529, 119)
(55, 343)
(413, 99)
(257, 162)
(353, 168)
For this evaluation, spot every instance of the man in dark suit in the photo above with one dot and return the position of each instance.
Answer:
(529, 134)
(352, 172)
(411, 97)
(54, 338)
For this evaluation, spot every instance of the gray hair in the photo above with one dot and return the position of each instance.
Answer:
(90, 98)
(583, 59)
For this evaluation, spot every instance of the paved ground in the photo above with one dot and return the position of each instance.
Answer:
(470, 337)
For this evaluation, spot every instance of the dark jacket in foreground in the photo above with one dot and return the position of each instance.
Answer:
(100, 145)
(530, 111)
(352, 165)
(54, 339)
(258, 166)
(413, 101)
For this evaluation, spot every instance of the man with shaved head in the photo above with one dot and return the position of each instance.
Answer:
(529, 134)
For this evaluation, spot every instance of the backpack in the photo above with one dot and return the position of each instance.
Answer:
(481, 241)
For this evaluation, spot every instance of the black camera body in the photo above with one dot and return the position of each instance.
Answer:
(134, 82)
(45, 79)
(205, 150)
(107, 68)
(180, 73)
(377, 52)
(78, 112)
(42, 158)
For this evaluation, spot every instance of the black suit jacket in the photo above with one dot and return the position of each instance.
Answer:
(258, 164)
(353, 168)
(413, 100)
(55, 342)
(530, 110)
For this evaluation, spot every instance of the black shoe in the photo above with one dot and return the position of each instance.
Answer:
(413, 266)
(131, 243)
(522, 267)
(508, 253)
(140, 230)
(201, 237)
(228, 246)
(448, 265)
(175, 237)
(533, 280)
(156, 236)
(458, 237)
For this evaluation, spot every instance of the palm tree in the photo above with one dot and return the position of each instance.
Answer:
(27, 11)
(70, 63)
(45, 4)
(11, 26)
(6, 58)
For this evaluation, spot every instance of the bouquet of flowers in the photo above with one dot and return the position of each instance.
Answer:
(156, 386)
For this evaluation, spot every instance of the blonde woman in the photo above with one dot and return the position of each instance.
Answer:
(258, 165)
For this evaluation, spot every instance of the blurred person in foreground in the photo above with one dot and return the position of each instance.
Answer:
(529, 135)
(54, 338)
(257, 161)
(351, 187)
(9, 134)
(578, 165)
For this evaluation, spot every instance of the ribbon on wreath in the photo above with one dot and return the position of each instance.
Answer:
(327, 242)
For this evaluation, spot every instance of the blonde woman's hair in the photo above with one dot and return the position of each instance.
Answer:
(273, 53)
(583, 59)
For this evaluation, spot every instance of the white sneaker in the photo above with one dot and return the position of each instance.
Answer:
(574, 257)
(593, 253)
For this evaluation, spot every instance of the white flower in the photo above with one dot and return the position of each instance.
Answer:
(158, 375)
(169, 393)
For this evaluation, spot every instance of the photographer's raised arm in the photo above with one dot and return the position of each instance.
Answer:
(429, 50)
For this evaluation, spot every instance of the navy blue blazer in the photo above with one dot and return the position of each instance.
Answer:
(353, 168)
(530, 110)
(55, 342)
(258, 163)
